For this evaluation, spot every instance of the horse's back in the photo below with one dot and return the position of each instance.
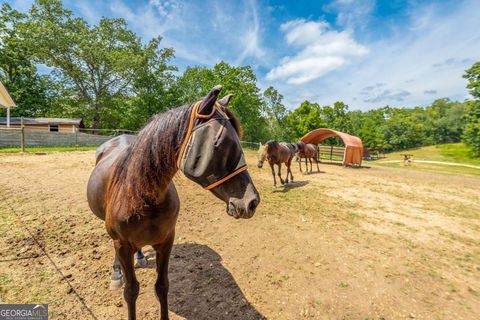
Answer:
(289, 150)
(120, 142)
(105, 158)
(289, 146)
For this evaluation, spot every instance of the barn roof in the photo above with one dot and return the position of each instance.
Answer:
(353, 145)
(5, 100)
(32, 121)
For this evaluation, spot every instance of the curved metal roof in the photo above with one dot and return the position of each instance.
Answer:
(353, 145)
(318, 135)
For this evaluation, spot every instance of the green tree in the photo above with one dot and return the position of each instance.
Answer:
(153, 86)
(241, 81)
(104, 64)
(274, 112)
(32, 93)
(445, 120)
(401, 131)
(307, 117)
(471, 135)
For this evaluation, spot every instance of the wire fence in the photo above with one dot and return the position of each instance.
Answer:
(33, 138)
(26, 137)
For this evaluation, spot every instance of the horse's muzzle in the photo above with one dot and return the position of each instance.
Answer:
(243, 208)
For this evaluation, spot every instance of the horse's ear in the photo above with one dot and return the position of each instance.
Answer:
(225, 100)
(208, 102)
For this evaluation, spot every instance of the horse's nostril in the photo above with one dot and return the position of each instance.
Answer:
(252, 205)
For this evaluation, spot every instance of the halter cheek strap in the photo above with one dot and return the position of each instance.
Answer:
(191, 122)
(193, 116)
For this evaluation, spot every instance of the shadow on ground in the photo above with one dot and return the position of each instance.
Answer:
(201, 288)
(290, 185)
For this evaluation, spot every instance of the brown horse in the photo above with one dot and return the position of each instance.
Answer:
(277, 153)
(306, 151)
(131, 186)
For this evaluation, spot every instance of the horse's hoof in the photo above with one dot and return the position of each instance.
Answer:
(141, 263)
(116, 284)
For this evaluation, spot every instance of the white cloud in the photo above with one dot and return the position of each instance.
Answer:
(164, 7)
(351, 14)
(323, 50)
(226, 31)
(251, 38)
(422, 60)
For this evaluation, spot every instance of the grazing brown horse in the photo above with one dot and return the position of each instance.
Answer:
(277, 153)
(306, 151)
(131, 186)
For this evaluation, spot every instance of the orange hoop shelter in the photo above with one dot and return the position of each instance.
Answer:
(353, 145)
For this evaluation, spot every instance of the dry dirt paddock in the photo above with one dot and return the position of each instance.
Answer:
(378, 243)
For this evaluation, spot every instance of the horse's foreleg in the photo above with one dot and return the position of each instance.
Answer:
(289, 170)
(125, 253)
(310, 160)
(140, 259)
(316, 160)
(161, 286)
(280, 173)
(300, 164)
(306, 164)
(273, 174)
(117, 281)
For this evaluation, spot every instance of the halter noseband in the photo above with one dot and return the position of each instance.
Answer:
(194, 115)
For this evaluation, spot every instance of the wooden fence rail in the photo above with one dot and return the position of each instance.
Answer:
(332, 153)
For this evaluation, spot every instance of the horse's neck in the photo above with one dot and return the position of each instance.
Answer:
(151, 162)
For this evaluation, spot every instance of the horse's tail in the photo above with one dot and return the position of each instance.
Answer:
(316, 152)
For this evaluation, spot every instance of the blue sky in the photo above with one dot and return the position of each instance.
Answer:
(365, 53)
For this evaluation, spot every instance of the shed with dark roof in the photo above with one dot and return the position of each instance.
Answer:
(45, 124)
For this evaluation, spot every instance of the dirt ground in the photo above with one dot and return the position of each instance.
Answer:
(378, 243)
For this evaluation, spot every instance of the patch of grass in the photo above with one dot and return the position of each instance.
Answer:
(458, 152)
(4, 283)
(46, 149)
(430, 167)
(450, 152)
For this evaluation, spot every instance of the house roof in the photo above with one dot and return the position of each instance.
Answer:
(5, 100)
(32, 121)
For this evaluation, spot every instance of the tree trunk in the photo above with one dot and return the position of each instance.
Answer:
(96, 118)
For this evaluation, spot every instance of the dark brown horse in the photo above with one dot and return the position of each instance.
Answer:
(131, 186)
(277, 153)
(306, 151)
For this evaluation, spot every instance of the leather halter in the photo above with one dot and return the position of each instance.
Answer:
(194, 115)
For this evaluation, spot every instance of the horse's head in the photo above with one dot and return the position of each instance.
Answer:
(212, 155)
(299, 146)
(262, 154)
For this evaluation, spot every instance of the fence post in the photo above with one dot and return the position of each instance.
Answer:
(331, 152)
(76, 138)
(23, 135)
